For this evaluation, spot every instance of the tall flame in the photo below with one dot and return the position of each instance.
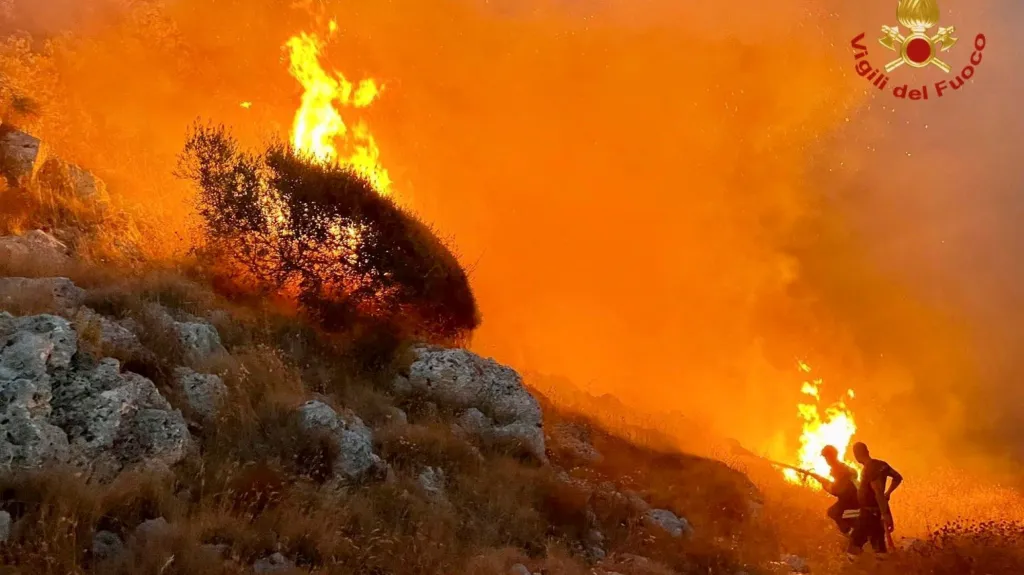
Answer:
(318, 129)
(836, 428)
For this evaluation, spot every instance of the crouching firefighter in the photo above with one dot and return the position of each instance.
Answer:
(845, 511)
(875, 523)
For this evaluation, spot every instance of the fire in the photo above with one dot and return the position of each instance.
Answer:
(318, 129)
(836, 428)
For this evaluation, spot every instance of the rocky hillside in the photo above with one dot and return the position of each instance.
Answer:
(176, 435)
(152, 421)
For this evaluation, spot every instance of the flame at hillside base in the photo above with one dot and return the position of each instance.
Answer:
(318, 129)
(836, 428)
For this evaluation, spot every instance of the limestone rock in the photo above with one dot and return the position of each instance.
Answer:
(531, 437)
(53, 294)
(204, 392)
(668, 522)
(56, 407)
(200, 340)
(574, 442)
(462, 378)
(67, 179)
(497, 403)
(21, 155)
(352, 437)
(275, 563)
(33, 247)
(397, 416)
(31, 348)
(152, 530)
(112, 335)
(114, 420)
(432, 481)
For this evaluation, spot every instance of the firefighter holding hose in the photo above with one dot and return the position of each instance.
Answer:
(843, 486)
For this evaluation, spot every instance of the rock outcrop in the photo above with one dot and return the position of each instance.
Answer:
(58, 407)
(35, 246)
(70, 180)
(24, 160)
(112, 335)
(352, 438)
(56, 294)
(204, 392)
(432, 481)
(21, 155)
(198, 338)
(275, 563)
(669, 522)
(497, 403)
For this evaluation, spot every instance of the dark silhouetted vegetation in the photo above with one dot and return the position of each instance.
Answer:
(323, 234)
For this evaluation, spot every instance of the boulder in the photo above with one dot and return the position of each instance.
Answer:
(151, 530)
(69, 180)
(198, 338)
(431, 481)
(58, 407)
(397, 416)
(21, 155)
(669, 522)
(112, 335)
(529, 436)
(204, 392)
(574, 441)
(33, 247)
(350, 435)
(31, 349)
(114, 420)
(275, 563)
(50, 294)
(497, 403)
(462, 378)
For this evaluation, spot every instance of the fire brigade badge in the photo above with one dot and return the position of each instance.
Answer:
(918, 49)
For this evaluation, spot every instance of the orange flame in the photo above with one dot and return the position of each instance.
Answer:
(318, 129)
(836, 428)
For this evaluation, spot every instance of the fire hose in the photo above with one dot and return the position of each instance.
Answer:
(738, 449)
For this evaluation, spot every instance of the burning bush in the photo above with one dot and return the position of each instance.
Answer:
(323, 235)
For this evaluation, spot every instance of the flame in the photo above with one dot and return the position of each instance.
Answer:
(246, 105)
(835, 428)
(318, 129)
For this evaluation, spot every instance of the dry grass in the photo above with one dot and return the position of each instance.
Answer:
(257, 484)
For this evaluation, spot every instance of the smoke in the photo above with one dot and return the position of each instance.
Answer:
(670, 202)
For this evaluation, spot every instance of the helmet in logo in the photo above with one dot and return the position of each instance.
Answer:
(918, 49)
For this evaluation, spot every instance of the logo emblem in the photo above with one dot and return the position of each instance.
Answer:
(917, 50)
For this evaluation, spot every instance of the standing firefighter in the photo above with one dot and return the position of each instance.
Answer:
(844, 487)
(875, 521)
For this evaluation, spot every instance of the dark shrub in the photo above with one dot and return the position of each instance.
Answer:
(322, 234)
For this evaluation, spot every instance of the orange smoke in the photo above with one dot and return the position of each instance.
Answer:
(836, 428)
(318, 129)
